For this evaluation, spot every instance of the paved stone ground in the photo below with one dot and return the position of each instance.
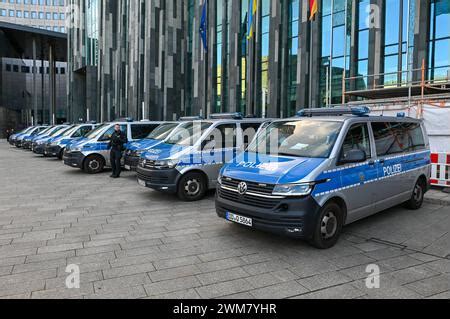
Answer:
(131, 242)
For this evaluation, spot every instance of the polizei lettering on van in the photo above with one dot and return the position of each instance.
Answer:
(392, 170)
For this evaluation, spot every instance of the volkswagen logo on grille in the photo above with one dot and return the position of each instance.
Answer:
(242, 188)
(144, 162)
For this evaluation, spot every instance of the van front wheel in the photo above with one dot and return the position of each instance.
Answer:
(94, 164)
(416, 200)
(328, 227)
(192, 187)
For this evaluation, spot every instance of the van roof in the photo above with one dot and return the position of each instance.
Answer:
(344, 118)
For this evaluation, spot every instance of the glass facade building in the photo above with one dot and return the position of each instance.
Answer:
(149, 60)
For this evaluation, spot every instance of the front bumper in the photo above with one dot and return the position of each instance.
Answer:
(50, 150)
(38, 148)
(165, 180)
(291, 217)
(73, 159)
(18, 143)
(131, 161)
(26, 145)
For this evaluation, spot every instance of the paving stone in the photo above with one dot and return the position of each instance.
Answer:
(136, 292)
(128, 270)
(223, 288)
(323, 281)
(174, 273)
(431, 286)
(222, 275)
(113, 284)
(346, 291)
(173, 285)
(280, 291)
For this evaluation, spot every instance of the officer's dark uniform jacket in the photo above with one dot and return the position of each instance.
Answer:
(118, 139)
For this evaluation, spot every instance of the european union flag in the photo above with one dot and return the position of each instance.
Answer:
(204, 25)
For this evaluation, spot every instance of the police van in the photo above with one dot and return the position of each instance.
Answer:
(13, 138)
(135, 149)
(189, 161)
(38, 143)
(91, 153)
(27, 142)
(55, 146)
(307, 177)
(20, 139)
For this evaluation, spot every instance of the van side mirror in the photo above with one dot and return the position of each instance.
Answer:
(353, 156)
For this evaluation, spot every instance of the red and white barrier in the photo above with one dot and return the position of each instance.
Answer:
(440, 169)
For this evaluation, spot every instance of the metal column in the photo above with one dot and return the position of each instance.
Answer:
(35, 97)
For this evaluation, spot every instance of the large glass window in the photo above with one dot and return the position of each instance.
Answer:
(293, 35)
(335, 50)
(363, 43)
(218, 48)
(395, 42)
(439, 55)
(265, 42)
(92, 24)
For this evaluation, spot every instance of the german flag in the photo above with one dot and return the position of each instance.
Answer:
(313, 8)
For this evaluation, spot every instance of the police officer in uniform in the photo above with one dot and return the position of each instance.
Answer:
(118, 140)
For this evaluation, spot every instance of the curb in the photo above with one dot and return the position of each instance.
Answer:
(437, 197)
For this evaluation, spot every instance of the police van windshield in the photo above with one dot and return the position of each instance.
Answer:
(58, 130)
(162, 131)
(66, 130)
(188, 133)
(70, 131)
(48, 129)
(97, 132)
(303, 138)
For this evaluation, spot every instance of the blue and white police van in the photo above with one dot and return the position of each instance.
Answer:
(135, 149)
(27, 141)
(188, 162)
(13, 138)
(92, 153)
(38, 143)
(55, 146)
(309, 176)
(21, 139)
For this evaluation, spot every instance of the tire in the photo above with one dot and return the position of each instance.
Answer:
(60, 155)
(417, 197)
(192, 187)
(94, 164)
(328, 226)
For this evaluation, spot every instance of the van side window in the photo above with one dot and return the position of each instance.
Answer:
(222, 136)
(140, 131)
(357, 138)
(394, 138)
(249, 131)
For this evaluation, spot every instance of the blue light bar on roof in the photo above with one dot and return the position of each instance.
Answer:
(191, 118)
(225, 116)
(335, 111)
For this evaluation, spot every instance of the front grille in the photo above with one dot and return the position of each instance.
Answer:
(145, 163)
(153, 179)
(252, 187)
(248, 199)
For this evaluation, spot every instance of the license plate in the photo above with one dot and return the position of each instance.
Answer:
(239, 219)
(142, 183)
(128, 167)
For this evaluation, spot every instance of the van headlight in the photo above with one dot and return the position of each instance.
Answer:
(293, 189)
(166, 164)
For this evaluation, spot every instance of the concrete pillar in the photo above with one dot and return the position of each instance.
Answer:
(35, 97)
(52, 83)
